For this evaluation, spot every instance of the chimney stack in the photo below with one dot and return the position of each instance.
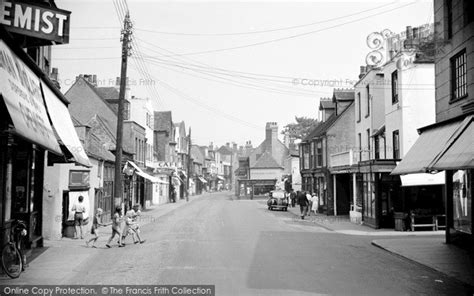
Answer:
(409, 33)
(362, 71)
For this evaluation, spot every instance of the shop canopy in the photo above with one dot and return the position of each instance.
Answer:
(202, 180)
(21, 92)
(427, 147)
(220, 178)
(64, 127)
(142, 174)
(459, 154)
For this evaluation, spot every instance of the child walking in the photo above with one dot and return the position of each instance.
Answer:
(96, 223)
(116, 229)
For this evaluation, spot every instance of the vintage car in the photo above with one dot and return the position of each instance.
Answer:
(278, 199)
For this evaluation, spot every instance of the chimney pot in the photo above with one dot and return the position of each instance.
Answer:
(409, 32)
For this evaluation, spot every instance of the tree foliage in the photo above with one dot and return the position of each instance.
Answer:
(301, 128)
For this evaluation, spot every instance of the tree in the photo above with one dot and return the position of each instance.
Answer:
(301, 128)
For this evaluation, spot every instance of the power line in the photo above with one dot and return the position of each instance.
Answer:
(267, 30)
(287, 37)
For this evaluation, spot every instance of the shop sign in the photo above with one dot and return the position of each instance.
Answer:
(166, 165)
(36, 21)
(21, 92)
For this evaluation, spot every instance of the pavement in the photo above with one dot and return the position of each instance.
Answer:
(427, 248)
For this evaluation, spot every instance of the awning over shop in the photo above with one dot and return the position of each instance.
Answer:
(148, 177)
(183, 173)
(220, 178)
(459, 153)
(64, 127)
(141, 173)
(422, 179)
(21, 92)
(428, 145)
(202, 180)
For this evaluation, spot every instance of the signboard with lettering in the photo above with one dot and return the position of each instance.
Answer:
(21, 92)
(41, 22)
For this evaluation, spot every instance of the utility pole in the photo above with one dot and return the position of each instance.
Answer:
(189, 165)
(126, 38)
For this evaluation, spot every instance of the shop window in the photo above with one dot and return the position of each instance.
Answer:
(462, 201)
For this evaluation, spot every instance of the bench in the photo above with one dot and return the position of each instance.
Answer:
(415, 221)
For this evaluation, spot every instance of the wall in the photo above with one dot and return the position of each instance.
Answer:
(393, 112)
(341, 134)
(376, 117)
(463, 37)
(418, 96)
(56, 180)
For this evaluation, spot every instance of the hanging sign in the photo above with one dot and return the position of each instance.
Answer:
(41, 22)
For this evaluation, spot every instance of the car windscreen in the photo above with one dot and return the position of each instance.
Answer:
(278, 194)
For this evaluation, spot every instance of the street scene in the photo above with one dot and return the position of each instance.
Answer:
(236, 147)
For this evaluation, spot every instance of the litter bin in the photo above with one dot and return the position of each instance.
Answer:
(400, 221)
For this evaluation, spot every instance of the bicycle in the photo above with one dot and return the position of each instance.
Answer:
(13, 261)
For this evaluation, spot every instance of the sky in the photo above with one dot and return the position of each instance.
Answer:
(228, 67)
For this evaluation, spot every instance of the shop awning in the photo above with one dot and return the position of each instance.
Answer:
(148, 177)
(459, 153)
(25, 103)
(183, 173)
(422, 179)
(202, 180)
(220, 178)
(428, 145)
(64, 127)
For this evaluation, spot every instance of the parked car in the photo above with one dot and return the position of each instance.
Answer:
(278, 200)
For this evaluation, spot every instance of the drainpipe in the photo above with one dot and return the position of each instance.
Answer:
(334, 194)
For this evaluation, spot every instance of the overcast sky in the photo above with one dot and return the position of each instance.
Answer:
(199, 59)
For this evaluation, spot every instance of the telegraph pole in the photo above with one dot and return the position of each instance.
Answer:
(125, 38)
(189, 165)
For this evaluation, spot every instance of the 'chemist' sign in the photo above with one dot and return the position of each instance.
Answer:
(36, 21)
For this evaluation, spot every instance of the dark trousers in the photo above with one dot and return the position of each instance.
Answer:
(303, 210)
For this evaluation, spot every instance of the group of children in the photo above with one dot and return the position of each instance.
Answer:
(131, 227)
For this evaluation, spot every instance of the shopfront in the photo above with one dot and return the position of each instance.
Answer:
(30, 106)
(448, 146)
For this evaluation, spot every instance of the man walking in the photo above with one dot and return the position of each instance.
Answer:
(303, 202)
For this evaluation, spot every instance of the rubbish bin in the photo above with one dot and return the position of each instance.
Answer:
(400, 221)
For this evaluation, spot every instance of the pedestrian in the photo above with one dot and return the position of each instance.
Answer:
(79, 209)
(131, 225)
(310, 203)
(96, 223)
(303, 202)
(315, 205)
(292, 198)
(116, 229)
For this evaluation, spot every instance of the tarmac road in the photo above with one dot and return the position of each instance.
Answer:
(244, 249)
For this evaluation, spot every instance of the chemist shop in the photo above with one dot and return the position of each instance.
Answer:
(35, 125)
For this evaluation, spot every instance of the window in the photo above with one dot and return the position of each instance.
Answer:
(394, 87)
(376, 147)
(79, 179)
(459, 76)
(359, 136)
(368, 142)
(396, 144)
(312, 159)
(126, 111)
(468, 12)
(358, 108)
(319, 153)
(368, 101)
(306, 156)
(449, 18)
